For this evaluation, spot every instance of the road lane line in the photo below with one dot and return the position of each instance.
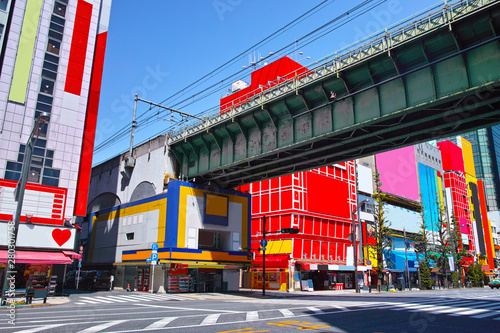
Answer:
(252, 315)
(161, 323)
(40, 328)
(102, 327)
(211, 319)
(286, 313)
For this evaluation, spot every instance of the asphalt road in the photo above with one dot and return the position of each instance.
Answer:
(464, 310)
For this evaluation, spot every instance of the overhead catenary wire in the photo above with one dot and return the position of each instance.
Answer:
(143, 121)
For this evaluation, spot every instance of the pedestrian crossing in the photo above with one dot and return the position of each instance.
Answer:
(478, 309)
(129, 298)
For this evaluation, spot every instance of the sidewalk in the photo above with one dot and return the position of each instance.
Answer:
(53, 300)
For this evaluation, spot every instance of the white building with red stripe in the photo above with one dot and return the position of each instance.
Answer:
(51, 60)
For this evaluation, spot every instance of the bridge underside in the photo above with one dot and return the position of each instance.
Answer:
(445, 82)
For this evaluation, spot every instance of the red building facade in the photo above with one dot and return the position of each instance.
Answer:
(318, 202)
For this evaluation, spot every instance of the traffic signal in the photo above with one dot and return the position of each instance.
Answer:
(290, 231)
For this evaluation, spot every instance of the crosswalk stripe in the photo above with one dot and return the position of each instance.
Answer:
(434, 304)
(402, 306)
(252, 315)
(116, 299)
(126, 298)
(468, 312)
(315, 310)
(88, 301)
(40, 328)
(287, 313)
(96, 298)
(454, 309)
(489, 314)
(137, 297)
(161, 323)
(473, 310)
(102, 327)
(210, 319)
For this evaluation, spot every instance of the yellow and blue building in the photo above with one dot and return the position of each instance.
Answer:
(202, 233)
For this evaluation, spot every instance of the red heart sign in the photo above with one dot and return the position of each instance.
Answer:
(61, 236)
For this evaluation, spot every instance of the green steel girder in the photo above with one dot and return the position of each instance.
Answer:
(441, 83)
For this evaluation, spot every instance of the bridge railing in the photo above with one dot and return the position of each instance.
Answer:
(421, 23)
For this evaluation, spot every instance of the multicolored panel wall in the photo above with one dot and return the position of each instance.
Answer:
(192, 207)
(431, 191)
(398, 172)
(82, 186)
(488, 238)
(124, 234)
(128, 227)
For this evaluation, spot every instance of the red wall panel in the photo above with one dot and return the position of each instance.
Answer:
(452, 157)
(297, 248)
(307, 248)
(307, 226)
(327, 196)
(79, 42)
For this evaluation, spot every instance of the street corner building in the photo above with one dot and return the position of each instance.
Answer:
(202, 234)
(51, 61)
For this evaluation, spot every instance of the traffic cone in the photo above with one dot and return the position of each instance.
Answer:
(128, 287)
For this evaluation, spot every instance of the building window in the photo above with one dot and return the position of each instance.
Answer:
(60, 9)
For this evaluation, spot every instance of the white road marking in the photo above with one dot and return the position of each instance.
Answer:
(315, 310)
(252, 315)
(210, 319)
(286, 313)
(161, 323)
(102, 327)
(40, 328)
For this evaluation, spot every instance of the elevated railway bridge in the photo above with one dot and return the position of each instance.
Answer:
(432, 76)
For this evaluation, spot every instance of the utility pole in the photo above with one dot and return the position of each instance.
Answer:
(407, 268)
(19, 197)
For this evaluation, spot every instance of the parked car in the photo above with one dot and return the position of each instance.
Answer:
(96, 279)
(495, 283)
(71, 277)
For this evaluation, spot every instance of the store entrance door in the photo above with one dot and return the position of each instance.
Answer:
(142, 279)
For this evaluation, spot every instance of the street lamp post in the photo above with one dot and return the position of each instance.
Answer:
(354, 246)
(20, 188)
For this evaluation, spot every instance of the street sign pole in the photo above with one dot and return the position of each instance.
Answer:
(154, 258)
(264, 244)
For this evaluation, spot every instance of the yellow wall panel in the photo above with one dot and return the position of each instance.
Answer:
(25, 50)
(468, 157)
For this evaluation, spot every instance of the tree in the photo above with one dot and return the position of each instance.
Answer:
(443, 248)
(381, 230)
(421, 245)
(425, 275)
(457, 249)
(476, 275)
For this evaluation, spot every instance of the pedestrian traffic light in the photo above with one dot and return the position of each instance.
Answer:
(290, 231)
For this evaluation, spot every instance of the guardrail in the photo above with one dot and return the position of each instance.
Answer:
(419, 24)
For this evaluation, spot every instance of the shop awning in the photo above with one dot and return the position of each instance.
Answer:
(325, 266)
(72, 255)
(37, 257)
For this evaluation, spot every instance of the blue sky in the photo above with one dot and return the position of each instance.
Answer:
(157, 48)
